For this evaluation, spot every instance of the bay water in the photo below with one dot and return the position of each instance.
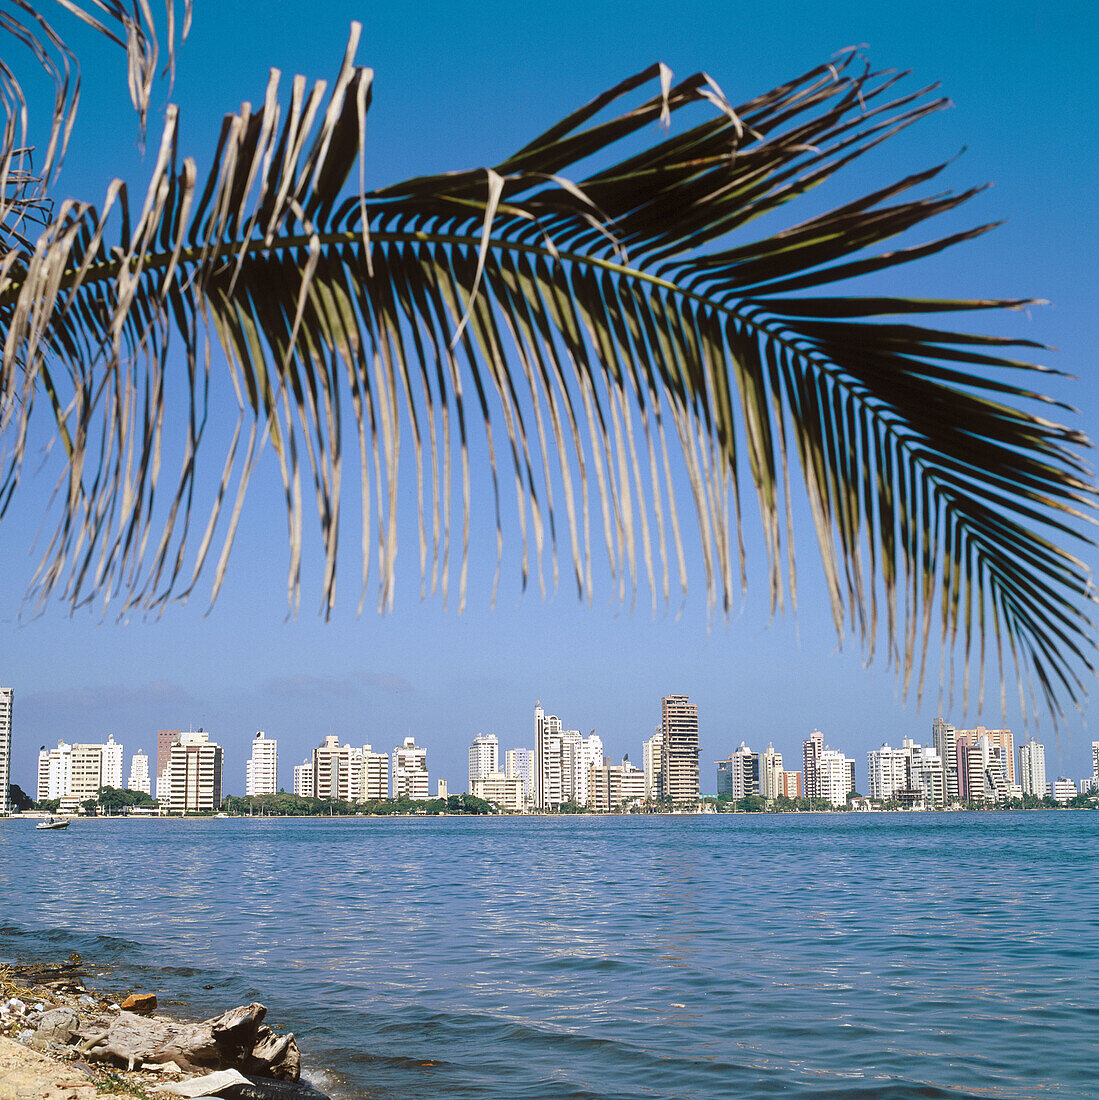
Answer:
(825, 955)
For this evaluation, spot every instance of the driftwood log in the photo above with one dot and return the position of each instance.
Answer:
(238, 1039)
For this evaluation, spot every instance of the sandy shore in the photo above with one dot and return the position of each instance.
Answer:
(27, 1075)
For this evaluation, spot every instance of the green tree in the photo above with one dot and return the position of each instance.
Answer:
(20, 800)
(599, 292)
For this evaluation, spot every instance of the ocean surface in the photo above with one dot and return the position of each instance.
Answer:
(825, 955)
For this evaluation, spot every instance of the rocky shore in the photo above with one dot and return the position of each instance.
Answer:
(60, 1040)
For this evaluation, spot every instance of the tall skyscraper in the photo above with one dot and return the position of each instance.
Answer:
(484, 758)
(1000, 739)
(375, 781)
(519, 764)
(549, 790)
(835, 774)
(337, 771)
(679, 749)
(1032, 768)
(410, 776)
(810, 755)
(944, 737)
(770, 772)
(1095, 760)
(888, 773)
(261, 772)
(165, 739)
(7, 705)
(139, 773)
(112, 763)
(194, 774)
(738, 776)
(651, 762)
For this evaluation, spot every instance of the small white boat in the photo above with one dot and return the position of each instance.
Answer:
(53, 823)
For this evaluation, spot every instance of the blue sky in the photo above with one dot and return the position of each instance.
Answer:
(462, 85)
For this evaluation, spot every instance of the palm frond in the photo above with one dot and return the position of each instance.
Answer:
(608, 324)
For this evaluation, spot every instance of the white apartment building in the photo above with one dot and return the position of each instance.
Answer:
(112, 763)
(75, 773)
(888, 768)
(375, 775)
(738, 776)
(944, 739)
(261, 772)
(194, 774)
(484, 757)
(925, 773)
(303, 779)
(7, 705)
(770, 773)
(337, 771)
(611, 786)
(139, 773)
(578, 756)
(1094, 753)
(651, 761)
(549, 790)
(835, 776)
(811, 748)
(497, 787)
(410, 777)
(1063, 789)
(1032, 768)
(519, 764)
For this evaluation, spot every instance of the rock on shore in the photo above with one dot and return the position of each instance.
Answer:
(66, 1038)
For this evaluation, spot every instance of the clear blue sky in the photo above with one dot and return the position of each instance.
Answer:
(461, 85)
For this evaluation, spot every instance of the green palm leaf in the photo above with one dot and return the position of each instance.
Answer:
(602, 320)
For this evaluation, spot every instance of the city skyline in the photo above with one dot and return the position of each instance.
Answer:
(423, 668)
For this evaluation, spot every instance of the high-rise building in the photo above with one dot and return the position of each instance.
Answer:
(926, 778)
(679, 750)
(982, 769)
(337, 771)
(165, 739)
(791, 785)
(375, 775)
(519, 764)
(770, 773)
(506, 792)
(410, 777)
(578, 756)
(1032, 768)
(139, 773)
(835, 774)
(261, 772)
(651, 751)
(74, 774)
(811, 748)
(1000, 739)
(7, 705)
(303, 779)
(888, 773)
(944, 738)
(549, 791)
(612, 786)
(484, 757)
(194, 774)
(112, 763)
(1095, 760)
(738, 776)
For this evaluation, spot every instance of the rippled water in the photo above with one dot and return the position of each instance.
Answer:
(837, 955)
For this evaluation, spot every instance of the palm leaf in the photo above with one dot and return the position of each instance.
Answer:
(602, 320)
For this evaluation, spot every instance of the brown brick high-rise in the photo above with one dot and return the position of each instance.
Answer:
(679, 751)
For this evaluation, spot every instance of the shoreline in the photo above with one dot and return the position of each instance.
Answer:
(53, 1032)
